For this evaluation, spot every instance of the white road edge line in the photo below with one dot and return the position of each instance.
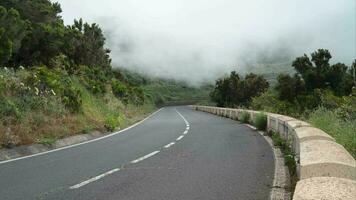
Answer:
(180, 137)
(186, 122)
(94, 179)
(169, 145)
(185, 132)
(144, 157)
(82, 143)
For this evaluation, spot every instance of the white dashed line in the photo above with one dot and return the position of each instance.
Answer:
(144, 157)
(180, 137)
(94, 179)
(169, 145)
(134, 161)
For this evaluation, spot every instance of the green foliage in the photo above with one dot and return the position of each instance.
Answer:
(112, 121)
(289, 156)
(317, 73)
(289, 87)
(72, 99)
(245, 117)
(94, 79)
(48, 140)
(260, 121)
(233, 91)
(270, 102)
(333, 123)
(119, 89)
(12, 32)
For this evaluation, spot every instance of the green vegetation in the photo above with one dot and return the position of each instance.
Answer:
(57, 80)
(168, 92)
(318, 92)
(245, 117)
(344, 131)
(233, 91)
(260, 121)
(289, 157)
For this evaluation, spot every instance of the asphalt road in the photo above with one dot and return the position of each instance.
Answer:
(177, 153)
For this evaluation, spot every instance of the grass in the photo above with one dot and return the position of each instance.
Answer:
(245, 117)
(260, 121)
(344, 131)
(29, 119)
(289, 157)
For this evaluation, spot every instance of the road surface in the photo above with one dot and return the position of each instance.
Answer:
(177, 153)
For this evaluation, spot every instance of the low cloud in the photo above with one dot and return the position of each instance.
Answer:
(200, 40)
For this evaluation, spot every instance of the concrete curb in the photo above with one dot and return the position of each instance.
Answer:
(320, 160)
(21, 151)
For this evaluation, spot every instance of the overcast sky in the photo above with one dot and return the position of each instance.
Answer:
(199, 40)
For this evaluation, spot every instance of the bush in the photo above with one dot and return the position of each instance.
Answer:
(260, 121)
(118, 88)
(94, 79)
(245, 117)
(111, 122)
(72, 99)
(9, 108)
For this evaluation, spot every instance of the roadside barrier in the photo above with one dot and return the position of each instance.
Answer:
(325, 169)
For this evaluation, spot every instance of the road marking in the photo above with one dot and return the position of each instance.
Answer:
(82, 143)
(144, 157)
(186, 122)
(185, 132)
(180, 137)
(188, 128)
(94, 179)
(169, 145)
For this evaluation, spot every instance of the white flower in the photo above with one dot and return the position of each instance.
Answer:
(54, 94)
(21, 67)
(22, 84)
(37, 91)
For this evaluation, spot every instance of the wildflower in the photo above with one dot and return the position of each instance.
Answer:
(54, 94)
(37, 91)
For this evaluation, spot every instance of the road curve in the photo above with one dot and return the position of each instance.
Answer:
(178, 153)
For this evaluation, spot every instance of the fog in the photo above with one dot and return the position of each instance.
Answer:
(200, 40)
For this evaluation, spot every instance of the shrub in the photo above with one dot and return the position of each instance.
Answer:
(94, 79)
(260, 121)
(245, 117)
(111, 122)
(9, 108)
(118, 88)
(72, 99)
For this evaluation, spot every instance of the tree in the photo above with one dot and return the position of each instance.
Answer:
(12, 32)
(234, 91)
(317, 73)
(84, 44)
(289, 87)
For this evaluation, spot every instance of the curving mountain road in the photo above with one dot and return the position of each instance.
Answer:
(177, 153)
